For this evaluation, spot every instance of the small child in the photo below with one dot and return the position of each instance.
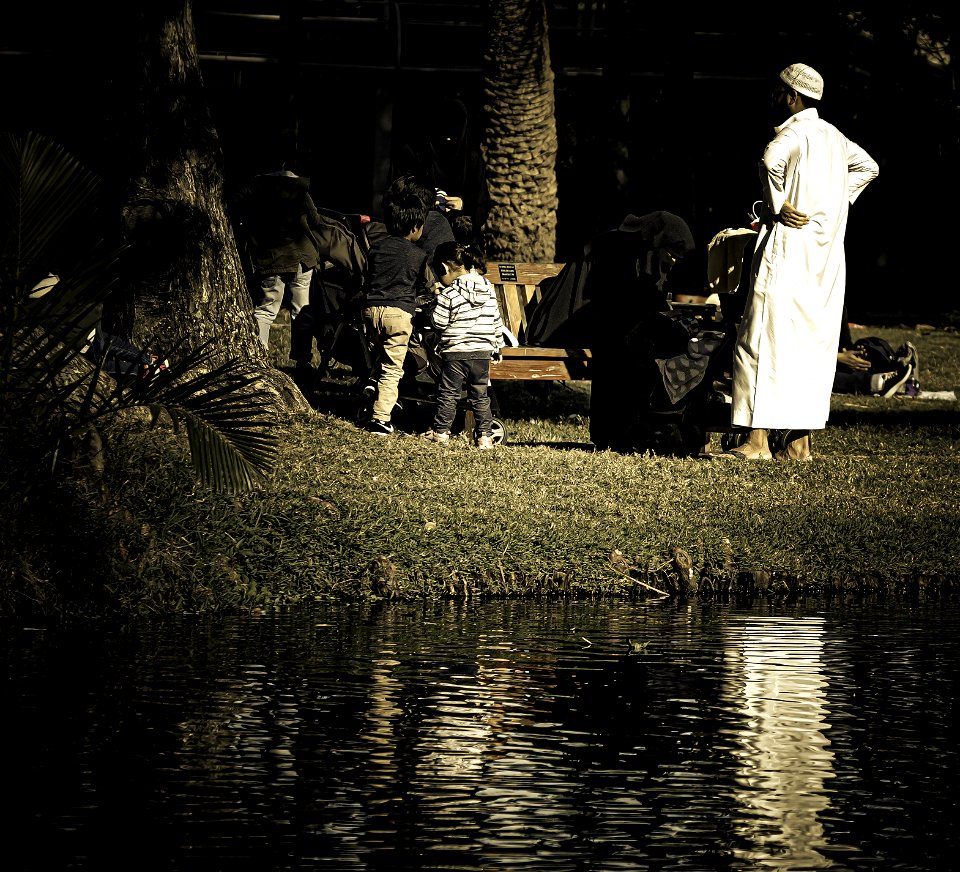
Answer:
(471, 335)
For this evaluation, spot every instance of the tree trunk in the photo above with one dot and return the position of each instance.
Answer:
(520, 136)
(185, 278)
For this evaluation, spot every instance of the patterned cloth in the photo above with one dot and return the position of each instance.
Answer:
(681, 374)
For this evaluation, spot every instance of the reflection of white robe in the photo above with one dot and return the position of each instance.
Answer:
(786, 352)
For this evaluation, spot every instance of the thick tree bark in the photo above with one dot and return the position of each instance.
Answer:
(185, 276)
(520, 138)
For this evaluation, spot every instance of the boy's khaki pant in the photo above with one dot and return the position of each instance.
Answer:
(390, 329)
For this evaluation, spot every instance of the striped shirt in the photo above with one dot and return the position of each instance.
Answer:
(468, 318)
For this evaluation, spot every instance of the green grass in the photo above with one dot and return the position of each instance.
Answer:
(351, 514)
(357, 515)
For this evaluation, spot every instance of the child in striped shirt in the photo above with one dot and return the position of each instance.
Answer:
(470, 328)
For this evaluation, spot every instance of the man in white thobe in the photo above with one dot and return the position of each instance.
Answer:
(786, 351)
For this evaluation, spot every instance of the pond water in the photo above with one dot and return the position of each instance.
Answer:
(486, 736)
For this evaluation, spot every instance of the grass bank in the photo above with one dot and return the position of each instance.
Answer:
(351, 514)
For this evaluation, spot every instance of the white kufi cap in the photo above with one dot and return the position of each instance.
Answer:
(804, 80)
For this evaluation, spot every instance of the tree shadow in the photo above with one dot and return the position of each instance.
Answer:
(897, 414)
(337, 397)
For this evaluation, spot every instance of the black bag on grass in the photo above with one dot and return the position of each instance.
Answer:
(879, 352)
(883, 358)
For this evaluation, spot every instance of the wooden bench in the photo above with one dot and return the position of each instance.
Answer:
(518, 293)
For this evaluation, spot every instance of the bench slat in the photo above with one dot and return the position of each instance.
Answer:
(543, 364)
(522, 273)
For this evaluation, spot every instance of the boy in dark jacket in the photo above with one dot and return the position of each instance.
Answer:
(396, 276)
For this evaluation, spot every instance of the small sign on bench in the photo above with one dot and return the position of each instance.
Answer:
(508, 272)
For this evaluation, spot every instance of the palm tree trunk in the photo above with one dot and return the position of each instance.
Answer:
(185, 279)
(186, 267)
(520, 137)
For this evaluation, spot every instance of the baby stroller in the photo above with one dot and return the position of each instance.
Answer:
(692, 396)
(331, 318)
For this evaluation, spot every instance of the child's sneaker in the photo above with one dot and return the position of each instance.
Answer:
(485, 442)
(380, 428)
(433, 436)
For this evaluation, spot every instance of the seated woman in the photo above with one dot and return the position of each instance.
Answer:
(870, 366)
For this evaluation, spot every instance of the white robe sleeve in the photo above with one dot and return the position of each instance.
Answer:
(773, 171)
(861, 170)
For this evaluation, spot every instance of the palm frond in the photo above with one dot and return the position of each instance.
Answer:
(231, 432)
(227, 463)
(47, 202)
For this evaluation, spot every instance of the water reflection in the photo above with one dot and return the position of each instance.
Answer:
(775, 677)
(452, 750)
(535, 736)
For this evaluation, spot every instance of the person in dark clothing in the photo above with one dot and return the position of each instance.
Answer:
(625, 298)
(114, 355)
(276, 213)
(444, 156)
(464, 232)
(396, 276)
(883, 375)
(436, 225)
(613, 299)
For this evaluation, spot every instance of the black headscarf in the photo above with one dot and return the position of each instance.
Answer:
(447, 158)
(616, 284)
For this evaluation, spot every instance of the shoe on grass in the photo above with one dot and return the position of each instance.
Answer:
(434, 436)
(380, 428)
(887, 384)
(485, 442)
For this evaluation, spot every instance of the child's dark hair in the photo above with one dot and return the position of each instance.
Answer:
(467, 256)
(418, 186)
(462, 227)
(403, 211)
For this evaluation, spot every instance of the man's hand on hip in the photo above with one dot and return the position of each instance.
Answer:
(792, 217)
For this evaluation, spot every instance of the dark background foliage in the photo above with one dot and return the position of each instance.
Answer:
(657, 108)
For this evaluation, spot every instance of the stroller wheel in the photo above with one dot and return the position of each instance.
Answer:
(733, 439)
(498, 433)
(363, 412)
